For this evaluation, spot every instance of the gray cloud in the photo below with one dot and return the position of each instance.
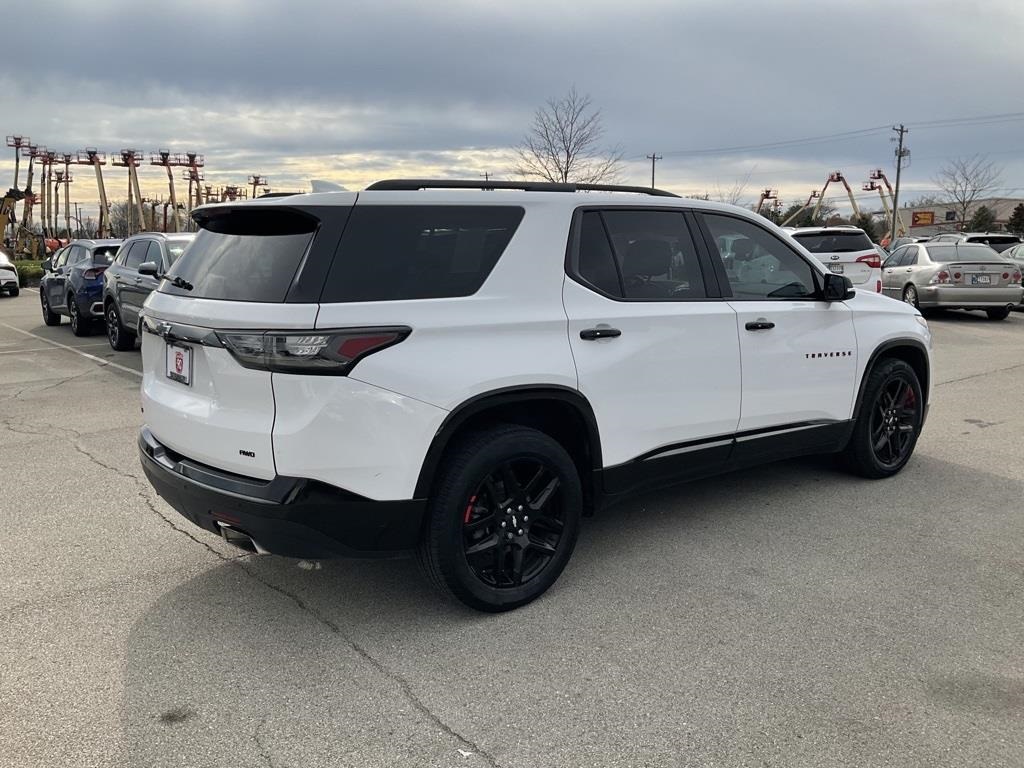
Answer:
(280, 87)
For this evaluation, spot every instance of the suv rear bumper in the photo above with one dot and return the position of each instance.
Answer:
(288, 516)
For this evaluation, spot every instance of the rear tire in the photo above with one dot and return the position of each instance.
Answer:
(910, 296)
(480, 545)
(120, 338)
(887, 428)
(80, 326)
(998, 314)
(49, 316)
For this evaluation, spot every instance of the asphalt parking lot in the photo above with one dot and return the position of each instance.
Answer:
(786, 616)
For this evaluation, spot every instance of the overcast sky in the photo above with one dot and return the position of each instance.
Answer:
(354, 91)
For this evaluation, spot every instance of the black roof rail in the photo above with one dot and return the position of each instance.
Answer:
(277, 194)
(409, 185)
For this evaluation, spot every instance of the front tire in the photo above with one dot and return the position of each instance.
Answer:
(80, 326)
(889, 422)
(15, 291)
(49, 316)
(998, 314)
(503, 519)
(121, 340)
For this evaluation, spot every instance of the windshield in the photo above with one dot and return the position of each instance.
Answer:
(967, 253)
(834, 242)
(998, 243)
(174, 250)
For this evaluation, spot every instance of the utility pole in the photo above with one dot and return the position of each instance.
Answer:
(653, 158)
(900, 154)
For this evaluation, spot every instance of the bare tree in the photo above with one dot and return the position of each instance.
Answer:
(733, 195)
(564, 144)
(965, 180)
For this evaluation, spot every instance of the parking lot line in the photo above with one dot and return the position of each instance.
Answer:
(45, 349)
(100, 360)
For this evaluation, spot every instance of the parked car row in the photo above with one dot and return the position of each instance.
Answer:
(105, 281)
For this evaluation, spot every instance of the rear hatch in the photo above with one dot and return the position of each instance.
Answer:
(849, 253)
(202, 397)
(971, 265)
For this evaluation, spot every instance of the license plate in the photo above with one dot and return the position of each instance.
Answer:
(179, 364)
(981, 280)
(835, 268)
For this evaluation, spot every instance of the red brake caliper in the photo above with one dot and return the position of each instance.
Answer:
(469, 508)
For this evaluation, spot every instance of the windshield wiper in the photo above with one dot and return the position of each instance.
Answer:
(180, 282)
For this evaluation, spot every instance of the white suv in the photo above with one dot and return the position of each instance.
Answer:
(846, 251)
(465, 372)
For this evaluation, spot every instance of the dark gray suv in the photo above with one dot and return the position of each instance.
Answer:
(125, 288)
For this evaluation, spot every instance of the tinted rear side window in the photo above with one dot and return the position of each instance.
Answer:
(396, 252)
(244, 255)
(835, 242)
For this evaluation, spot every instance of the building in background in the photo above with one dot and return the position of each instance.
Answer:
(923, 220)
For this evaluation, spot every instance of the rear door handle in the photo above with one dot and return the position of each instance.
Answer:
(759, 325)
(600, 333)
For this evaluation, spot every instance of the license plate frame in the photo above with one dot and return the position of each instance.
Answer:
(178, 363)
(835, 269)
(981, 279)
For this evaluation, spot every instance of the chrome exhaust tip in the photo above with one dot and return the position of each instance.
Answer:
(240, 539)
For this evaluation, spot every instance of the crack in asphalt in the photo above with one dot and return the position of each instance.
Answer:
(979, 375)
(264, 751)
(366, 656)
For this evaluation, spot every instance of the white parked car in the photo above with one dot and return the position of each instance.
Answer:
(8, 275)
(465, 373)
(844, 250)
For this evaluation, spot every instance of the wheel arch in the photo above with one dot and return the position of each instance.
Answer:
(911, 351)
(560, 412)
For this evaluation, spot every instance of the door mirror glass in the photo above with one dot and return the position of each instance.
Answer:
(149, 268)
(837, 288)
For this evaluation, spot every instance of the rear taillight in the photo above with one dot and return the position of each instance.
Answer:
(92, 274)
(332, 352)
(940, 278)
(873, 260)
(1006, 275)
(1016, 277)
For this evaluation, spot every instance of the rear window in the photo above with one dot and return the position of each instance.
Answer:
(999, 243)
(244, 255)
(396, 252)
(835, 242)
(966, 253)
(104, 255)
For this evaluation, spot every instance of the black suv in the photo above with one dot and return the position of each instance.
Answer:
(125, 288)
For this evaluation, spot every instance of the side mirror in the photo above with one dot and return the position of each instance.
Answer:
(47, 265)
(837, 288)
(149, 268)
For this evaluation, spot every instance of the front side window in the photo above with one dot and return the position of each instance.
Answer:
(894, 258)
(136, 254)
(62, 257)
(758, 265)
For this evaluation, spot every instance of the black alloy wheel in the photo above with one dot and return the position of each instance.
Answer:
(49, 316)
(120, 340)
(79, 325)
(503, 517)
(513, 523)
(889, 422)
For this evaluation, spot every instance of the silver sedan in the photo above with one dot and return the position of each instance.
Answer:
(953, 276)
